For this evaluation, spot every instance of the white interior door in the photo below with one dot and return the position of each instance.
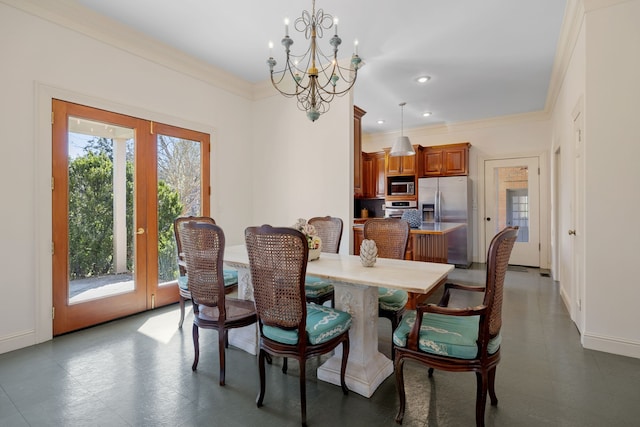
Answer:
(576, 234)
(512, 198)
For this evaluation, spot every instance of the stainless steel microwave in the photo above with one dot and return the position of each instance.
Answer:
(402, 189)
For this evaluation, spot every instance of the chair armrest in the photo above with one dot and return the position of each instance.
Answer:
(414, 335)
(469, 311)
(444, 301)
(462, 287)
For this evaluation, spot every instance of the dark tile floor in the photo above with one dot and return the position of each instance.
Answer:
(137, 372)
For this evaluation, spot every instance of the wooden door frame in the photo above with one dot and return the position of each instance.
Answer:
(543, 163)
(42, 328)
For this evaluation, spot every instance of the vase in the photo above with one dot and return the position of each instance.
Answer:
(368, 252)
(314, 254)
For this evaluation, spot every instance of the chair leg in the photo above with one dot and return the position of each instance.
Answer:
(399, 365)
(395, 322)
(481, 398)
(492, 389)
(222, 335)
(303, 390)
(343, 367)
(196, 347)
(261, 371)
(181, 301)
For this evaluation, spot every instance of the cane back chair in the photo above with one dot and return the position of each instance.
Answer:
(329, 230)
(230, 275)
(459, 339)
(391, 236)
(203, 245)
(288, 325)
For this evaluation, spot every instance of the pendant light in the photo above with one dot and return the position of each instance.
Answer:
(402, 146)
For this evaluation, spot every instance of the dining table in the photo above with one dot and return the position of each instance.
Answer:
(355, 292)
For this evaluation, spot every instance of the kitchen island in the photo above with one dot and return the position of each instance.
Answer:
(429, 242)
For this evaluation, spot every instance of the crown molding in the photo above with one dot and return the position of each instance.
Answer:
(571, 26)
(471, 125)
(75, 17)
(590, 5)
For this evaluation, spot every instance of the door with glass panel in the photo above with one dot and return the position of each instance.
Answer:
(512, 199)
(117, 185)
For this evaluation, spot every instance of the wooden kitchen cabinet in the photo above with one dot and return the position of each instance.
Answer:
(357, 152)
(358, 237)
(445, 160)
(373, 182)
(402, 165)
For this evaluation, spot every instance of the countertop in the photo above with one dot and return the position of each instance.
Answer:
(428, 227)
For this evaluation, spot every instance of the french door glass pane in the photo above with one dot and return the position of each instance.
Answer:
(512, 189)
(179, 194)
(101, 261)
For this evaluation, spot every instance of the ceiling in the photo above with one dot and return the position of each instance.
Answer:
(486, 58)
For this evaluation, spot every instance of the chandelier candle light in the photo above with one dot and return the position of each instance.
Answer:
(313, 77)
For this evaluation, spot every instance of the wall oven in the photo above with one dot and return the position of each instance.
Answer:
(395, 209)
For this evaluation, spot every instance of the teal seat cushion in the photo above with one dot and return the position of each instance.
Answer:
(453, 336)
(182, 282)
(323, 324)
(315, 286)
(230, 278)
(392, 299)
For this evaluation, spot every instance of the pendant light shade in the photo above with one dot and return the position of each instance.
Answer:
(402, 146)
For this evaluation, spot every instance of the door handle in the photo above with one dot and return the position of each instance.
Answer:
(140, 230)
(572, 232)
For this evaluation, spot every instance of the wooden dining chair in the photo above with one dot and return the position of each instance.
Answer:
(329, 230)
(459, 339)
(230, 275)
(391, 236)
(203, 245)
(288, 325)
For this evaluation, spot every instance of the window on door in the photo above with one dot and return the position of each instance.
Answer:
(118, 184)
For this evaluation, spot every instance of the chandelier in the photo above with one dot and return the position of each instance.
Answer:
(313, 77)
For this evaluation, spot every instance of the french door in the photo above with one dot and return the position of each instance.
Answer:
(118, 182)
(512, 198)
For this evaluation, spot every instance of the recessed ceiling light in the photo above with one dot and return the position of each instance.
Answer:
(380, 122)
(427, 114)
(423, 79)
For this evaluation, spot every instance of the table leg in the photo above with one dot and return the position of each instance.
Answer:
(245, 338)
(367, 368)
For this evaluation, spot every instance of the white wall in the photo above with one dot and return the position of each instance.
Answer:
(269, 164)
(302, 169)
(612, 144)
(42, 59)
(601, 80)
(570, 95)
(515, 136)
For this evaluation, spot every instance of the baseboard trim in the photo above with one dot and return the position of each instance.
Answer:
(611, 345)
(17, 341)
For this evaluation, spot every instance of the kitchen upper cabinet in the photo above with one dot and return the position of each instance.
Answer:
(401, 165)
(357, 151)
(379, 176)
(446, 160)
(373, 182)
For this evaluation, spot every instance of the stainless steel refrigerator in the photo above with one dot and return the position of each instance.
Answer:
(448, 199)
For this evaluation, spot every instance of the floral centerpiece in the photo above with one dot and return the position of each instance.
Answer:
(314, 243)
